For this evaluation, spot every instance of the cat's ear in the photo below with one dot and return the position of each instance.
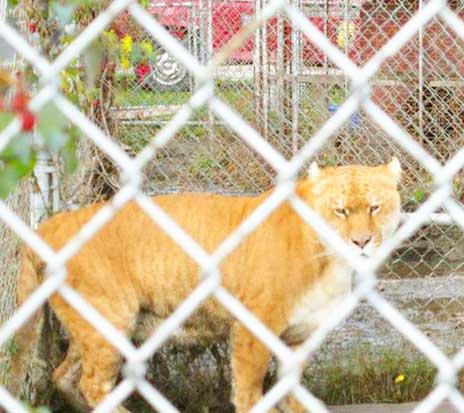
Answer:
(394, 168)
(314, 171)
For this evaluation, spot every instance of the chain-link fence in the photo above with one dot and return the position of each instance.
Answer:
(283, 84)
(286, 87)
(295, 96)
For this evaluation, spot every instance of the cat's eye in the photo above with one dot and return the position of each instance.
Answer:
(373, 209)
(343, 212)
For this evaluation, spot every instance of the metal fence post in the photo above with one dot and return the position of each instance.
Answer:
(295, 73)
(44, 197)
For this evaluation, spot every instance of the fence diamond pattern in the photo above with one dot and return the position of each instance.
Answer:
(286, 174)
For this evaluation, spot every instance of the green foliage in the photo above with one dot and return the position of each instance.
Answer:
(92, 58)
(204, 164)
(54, 134)
(57, 135)
(373, 378)
(12, 347)
(18, 159)
(337, 94)
(111, 45)
(419, 195)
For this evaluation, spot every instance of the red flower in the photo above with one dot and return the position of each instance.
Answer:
(28, 121)
(142, 70)
(19, 101)
(32, 27)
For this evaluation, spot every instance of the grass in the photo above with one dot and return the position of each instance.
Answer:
(373, 377)
(142, 97)
(366, 375)
(242, 98)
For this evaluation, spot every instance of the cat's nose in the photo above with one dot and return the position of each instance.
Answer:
(361, 241)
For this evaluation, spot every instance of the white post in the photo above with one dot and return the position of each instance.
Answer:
(295, 71)
(7, 61)
(258, 69)
(421, 78)
(2, 10)
(40, 194)
(266, 69)
(209, 56)
(44, 198)
(278, 85)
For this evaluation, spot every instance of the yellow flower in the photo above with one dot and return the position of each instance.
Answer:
(147, 47)
(125, 63)
(400, 378)
(65, 82)
(346, 31)
(126, 44)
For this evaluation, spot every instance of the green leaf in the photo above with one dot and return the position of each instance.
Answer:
(136, 54)
(145, 3)
(419, 195)
(50, 120)
(110, 43)
(68, 153)
(16, 161)
(92, 57)
(13, 347)
(57, 140)
(19, 149)
(11, 173)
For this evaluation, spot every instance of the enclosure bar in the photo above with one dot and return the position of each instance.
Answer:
(3, 6)
(258, 70)
(209, 33)
(265, 84)
(346, 27)
(295, 71)
(195, 36)
(278, 90)
(209, 56)
(421, 77)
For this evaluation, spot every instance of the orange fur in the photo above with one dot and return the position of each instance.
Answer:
(131, 267)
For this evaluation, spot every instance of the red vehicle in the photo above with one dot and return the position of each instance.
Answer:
(188, 21)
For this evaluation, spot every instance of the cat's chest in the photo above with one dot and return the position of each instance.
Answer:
(316, 305)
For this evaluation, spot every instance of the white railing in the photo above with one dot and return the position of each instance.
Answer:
(286, 173)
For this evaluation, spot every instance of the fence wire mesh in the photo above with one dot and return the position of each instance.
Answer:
(340, 81)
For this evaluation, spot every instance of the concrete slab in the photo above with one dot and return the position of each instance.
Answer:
(445, 407)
